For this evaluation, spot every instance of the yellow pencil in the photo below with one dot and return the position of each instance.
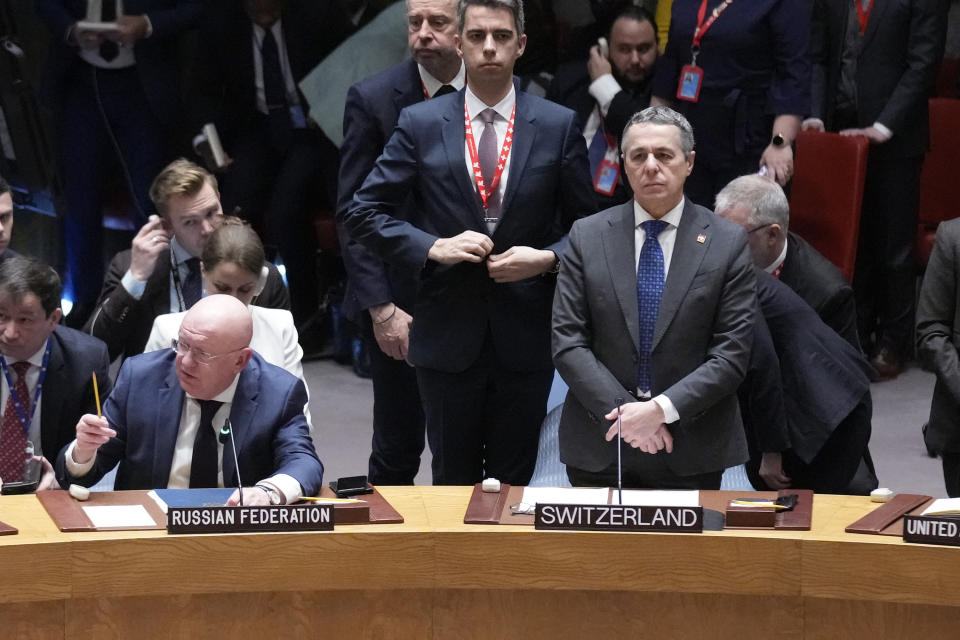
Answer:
(96, 394)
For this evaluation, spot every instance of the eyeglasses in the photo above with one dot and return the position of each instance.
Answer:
(200, 357)
(758, 227)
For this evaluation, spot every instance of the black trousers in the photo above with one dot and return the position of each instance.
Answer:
(398, 422)
(651, 473)
(884, 281)
(951, 472)
(484, 422)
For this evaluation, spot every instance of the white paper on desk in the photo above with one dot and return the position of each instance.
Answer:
(564, 495)
(943, 506)
(118, 516)
(656, 498)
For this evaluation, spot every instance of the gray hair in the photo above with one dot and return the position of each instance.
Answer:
(663, 115)
(513, 6)
(768, 204)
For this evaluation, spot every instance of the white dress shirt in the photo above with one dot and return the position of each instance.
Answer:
(504, 109)
(773, 266)
(603, 90)
(667, 239)
(178, 260)
(32, 376)
(433, 85)
(125, 56)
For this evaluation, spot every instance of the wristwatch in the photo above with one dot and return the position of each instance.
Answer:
(778, 140)
(272, 494)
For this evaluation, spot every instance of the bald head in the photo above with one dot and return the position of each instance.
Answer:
(214, 345)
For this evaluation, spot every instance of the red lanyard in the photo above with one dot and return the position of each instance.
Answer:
(501, 161)
(426, 95)
(702, 26)
(863, 16)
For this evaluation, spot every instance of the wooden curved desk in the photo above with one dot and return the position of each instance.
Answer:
(434, 577)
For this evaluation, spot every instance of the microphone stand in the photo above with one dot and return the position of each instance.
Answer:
(224, 432)
(619, 451)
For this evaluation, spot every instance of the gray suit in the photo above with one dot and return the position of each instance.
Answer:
(701, 345)
(938, 336)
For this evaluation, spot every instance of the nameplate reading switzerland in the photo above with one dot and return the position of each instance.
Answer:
(617, 517)
(299, 517)
(931, 530)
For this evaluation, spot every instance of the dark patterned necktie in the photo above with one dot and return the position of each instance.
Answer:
(109, 49)
(487, 154)
(205, 465)
(443, 90)
(650, 278)
(275, 92)
(192, 284)
(13, 438)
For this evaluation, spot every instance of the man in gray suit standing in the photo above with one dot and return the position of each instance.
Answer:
(654, 308)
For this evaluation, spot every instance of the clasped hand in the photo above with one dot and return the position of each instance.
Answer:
(642, 427)
(516, 263)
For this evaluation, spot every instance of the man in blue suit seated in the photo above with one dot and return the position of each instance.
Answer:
(162, 419)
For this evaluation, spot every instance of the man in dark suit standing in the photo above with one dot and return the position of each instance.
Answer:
(938, 336)
(608, 89)
(654, 309)
(162, 418)
(6, 220)
(47, 367)
(380, 296)
(806, 401)
(160, 273)
(759, 205)
(497, 177)
(874, 64)
(252, 56)
(116, 98)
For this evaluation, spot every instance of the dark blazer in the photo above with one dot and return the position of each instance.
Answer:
(144, 408)
(222, 78)
(124, 322)
(823, 377)
(156, 56)
(369, 117)
(938, 335)
(570, 87)
(701, 344)
(896, 66)
(822, 286)
(68, 388)
(547, 189)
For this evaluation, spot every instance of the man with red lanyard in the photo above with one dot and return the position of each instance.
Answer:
(497, 178)
(874, 67)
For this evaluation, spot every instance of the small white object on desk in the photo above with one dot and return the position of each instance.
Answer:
(79, 493)
(881, 495)
(490, 485)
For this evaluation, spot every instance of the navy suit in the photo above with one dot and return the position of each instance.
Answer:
(468, 330)
(101, 113)
(144, 408)
(823, 424)
(369, 117)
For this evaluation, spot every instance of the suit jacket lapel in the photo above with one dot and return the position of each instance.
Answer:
(876, 15)
(688, 252)
(454, 135)
(619, 249)
(170, 398)
(524, 135)
(57, 385)
(242, 410)
(410, 91)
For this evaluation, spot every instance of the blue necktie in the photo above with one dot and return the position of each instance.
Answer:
(650, 278)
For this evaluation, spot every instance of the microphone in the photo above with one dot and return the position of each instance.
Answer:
(226, 431)
(619, 402)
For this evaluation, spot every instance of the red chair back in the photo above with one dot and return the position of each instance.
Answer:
(939, 186)
(827, 193)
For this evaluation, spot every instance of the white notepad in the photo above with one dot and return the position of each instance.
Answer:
(119, 516)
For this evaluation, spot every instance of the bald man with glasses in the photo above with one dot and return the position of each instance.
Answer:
(162, 418)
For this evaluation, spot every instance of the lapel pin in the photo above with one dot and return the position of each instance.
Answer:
(702, 238)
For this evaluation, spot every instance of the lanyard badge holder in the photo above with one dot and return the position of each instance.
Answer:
(691, 76)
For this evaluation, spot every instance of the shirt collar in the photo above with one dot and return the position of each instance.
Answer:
(433, 85)
(179, 253)
(672, 217)
(779, 261)
(225, 396)
(259, 32)
(504, 108)
(37, 358)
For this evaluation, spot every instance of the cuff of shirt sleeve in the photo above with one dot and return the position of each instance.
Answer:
(149, 26)
(288, 486)
(816, 121)
(78, 469)
(133, 286)
(604, 89)
(883, 130)
(670, 414)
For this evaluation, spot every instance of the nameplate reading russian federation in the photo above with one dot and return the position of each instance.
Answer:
(931, 530)
(299, 517)
(615, 517)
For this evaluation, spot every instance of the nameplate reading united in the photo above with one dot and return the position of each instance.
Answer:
(616, 517)
(299, 517)
(931, 530)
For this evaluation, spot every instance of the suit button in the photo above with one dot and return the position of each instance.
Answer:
(593, 417)
(634, 358)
